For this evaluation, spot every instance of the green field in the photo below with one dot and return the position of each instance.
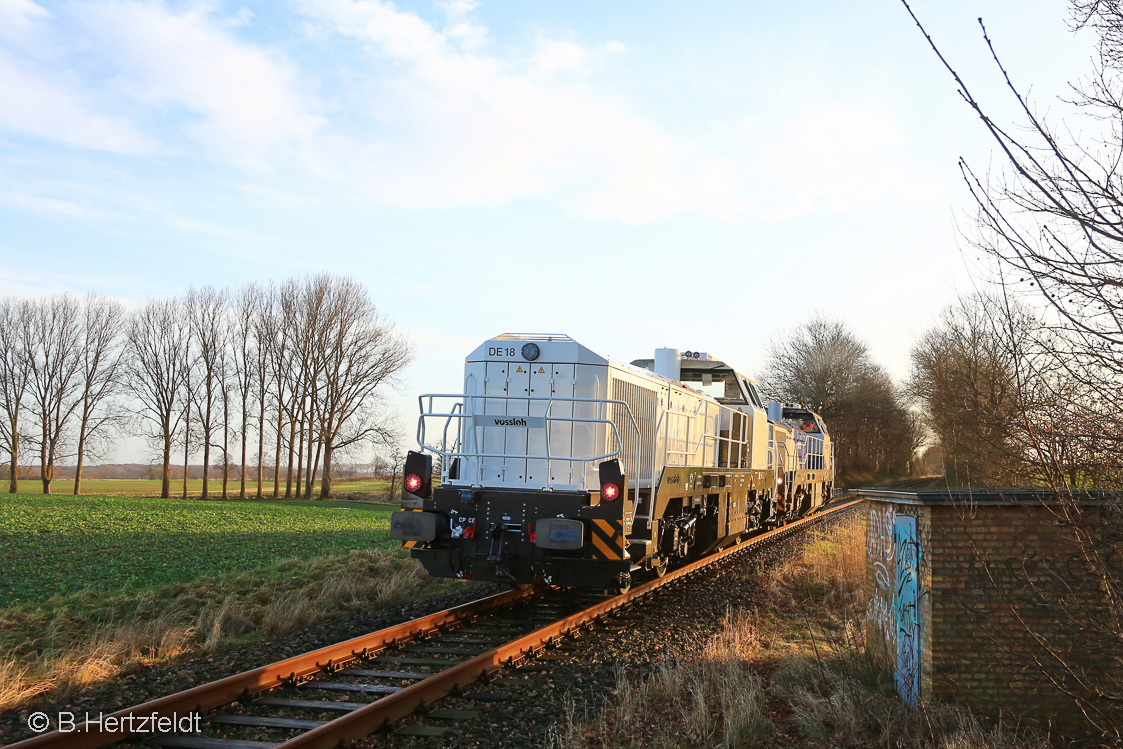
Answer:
(60, 544)
(151, 487)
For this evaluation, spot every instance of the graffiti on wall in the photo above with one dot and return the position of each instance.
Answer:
(880, 550)
(906, 609)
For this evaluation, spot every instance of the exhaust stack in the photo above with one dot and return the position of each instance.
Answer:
(667, 363)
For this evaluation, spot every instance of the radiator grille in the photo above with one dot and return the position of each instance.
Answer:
(636, 449)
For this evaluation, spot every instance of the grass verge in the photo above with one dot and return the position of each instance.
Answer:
(54, 648)
(795, 671)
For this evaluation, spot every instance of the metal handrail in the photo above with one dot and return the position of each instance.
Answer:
(458, 412)
(703, 438)
(448, 423)
(813, 451)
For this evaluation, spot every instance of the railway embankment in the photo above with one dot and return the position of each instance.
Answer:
(782, 661)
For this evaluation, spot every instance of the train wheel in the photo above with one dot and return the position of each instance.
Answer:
(661, 569)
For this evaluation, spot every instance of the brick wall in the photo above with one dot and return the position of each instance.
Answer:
(1012, 619)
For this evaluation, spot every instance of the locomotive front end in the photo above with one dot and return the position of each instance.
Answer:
(531, 488)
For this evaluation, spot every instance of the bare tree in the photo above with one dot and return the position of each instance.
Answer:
(186, 439)
(826, 368)
(272, 343)
(158, 348)
(206, 309)
(361, 353)
(963, 372)
(187, 398)
(396, 460)
(246, 359)
(225, 383)
(101, 355)
(1052, 220)
(53, 345)
(289, 303)
(15, 370)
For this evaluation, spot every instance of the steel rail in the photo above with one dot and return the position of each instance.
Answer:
(377, 714)
(295, 669)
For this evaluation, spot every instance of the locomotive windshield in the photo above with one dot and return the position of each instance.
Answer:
(802, 420)
(721, 384)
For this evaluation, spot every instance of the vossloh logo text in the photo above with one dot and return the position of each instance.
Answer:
(493, 421)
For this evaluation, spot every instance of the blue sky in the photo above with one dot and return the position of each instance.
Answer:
(634, 174)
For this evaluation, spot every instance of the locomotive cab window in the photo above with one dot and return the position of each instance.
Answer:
(720, 384)
(804, 422)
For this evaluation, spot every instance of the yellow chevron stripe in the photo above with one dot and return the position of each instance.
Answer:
(411, 544)
(611, 530)
(608, 536)
(606, 551)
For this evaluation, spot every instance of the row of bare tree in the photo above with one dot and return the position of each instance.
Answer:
(999, 395)
(293, 368)
(1024, 382)
(1008, 400)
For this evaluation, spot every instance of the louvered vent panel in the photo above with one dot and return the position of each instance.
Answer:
(636, 452)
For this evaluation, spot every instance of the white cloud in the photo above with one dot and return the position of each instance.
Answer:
(34, 104)
(459, 25)
(19, 16)
(458, 126)
(56, 206)
(243, 101)
(42, 98)
(33, 280)
(467, 127)
(395, 34)
(555, 56)
(426, 113)
(236, 237)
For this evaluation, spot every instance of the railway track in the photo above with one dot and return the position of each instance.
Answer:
(405, 668)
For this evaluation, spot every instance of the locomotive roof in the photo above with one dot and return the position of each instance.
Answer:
(698, 364)
(554, 347)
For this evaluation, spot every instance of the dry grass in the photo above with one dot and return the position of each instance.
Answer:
(70, 642)
(716, 700)
(793, 672)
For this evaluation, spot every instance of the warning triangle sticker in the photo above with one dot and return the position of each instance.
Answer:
(541, 370)
(519, 369)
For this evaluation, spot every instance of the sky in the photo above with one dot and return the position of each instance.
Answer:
(703, 176)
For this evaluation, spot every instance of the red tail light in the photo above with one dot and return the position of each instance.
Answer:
(417, 475)
(611, 480)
